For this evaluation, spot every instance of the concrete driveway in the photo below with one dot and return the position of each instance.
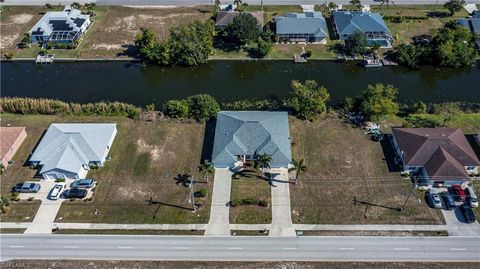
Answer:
(219, 223)
(45, 217)
(281, 212)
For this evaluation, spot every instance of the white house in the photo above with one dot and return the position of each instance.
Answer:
(68, 150)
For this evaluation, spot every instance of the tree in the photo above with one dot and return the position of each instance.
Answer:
(237, 3)
(206, 168)
(419, 108)
(308, 99)
(202, 107)
(357, 43)
(454, 47)
(177, 109)
(299, 167)
(332, 6)
(264, 47)
(76, 5)
(217, 5)
(263, 161)
(379, 100)
(243, 29)
(356, 4)
(191, 44)
(408, 55)
(454, 6)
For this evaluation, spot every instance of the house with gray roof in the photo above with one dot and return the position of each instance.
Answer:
(65, 26)
(473, 25)
(68, 150)
(302, 27)
(243, 135)
(435, 156)
(346, 23)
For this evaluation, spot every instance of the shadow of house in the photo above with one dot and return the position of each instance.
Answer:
(438, 14)
(389, 153)
(474, 144)
(26, 162)
(208, 139)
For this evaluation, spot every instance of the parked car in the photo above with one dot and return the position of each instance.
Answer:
(26, 187)
(448, 201)
(434, 199)
(76, 193)
(472, 197)
(459, 193)
(57, 191)
(468, 214)
(83, 183)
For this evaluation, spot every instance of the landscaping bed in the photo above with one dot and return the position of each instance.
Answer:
(346, 170)
(146, 158)
(250, 199)
(249, 233)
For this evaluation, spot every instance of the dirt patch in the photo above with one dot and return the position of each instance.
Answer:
(14, 22)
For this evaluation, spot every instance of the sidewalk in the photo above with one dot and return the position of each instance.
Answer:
(281, 213)
(219, 223)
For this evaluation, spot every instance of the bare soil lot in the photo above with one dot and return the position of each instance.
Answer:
(348, 179)
(14, 22)
(24, 264)
(146, 158)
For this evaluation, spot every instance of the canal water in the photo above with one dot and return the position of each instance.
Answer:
(227, 81)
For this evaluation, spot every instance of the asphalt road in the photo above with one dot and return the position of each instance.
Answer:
(141, 247)
(208, 2)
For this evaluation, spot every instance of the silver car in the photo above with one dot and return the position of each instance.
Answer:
(434, 199)
(472, 197)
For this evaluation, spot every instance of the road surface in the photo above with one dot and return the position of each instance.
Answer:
(209, 2)
(147, 247)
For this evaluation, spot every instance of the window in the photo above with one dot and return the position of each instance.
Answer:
(470, 167)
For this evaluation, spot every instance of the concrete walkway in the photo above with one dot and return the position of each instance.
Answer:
(219, 223)
(281, 213)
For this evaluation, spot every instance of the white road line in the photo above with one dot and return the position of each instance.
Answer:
(15, 246)
(401, 249)
(289, 248)
(235, 248)
(346, 248)
(458, 249)
(180, 247)
(70, 247)
(124, 247)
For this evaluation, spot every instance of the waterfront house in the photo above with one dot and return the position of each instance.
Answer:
(65, 26)
(347, 23)
(302, 27)
(435, 156)
(10, 140)
(225, 17)
(241, 136)
(68, 150)
(473, 25)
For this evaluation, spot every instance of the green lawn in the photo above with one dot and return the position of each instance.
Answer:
(146, 157)
(130, 232)
(345, 166)
(469, 123)
(250, 185)
(22, 211)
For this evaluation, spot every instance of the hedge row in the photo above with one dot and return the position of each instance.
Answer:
(21, 105)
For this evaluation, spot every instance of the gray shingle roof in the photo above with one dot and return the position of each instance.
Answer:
(349, 22)
(68, 146)
(251, 133)
(302, 23)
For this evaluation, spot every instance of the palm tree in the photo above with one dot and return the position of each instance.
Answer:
(332, 6)
(217, 4)
(237, 3)
(263, 161)
(386, 4)
(357, 4)
(2, 168)
(299, 167)
(206, 168)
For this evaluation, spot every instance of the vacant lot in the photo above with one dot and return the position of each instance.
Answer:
(404, 31)
(345, 166)
(250, 186)
(14, 22)
(146, 158)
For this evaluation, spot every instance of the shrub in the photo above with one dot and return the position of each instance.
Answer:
(202, 107)
(252, 104)
(60, 180)
(177, 109)
(263, 203)
(308, 54)
(48, 5)
(9, 55)
(30, 199)
(421, 122)
(203, 192)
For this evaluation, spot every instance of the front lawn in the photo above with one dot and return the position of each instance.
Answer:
(250, 186)
(345, 166)
(146, 158)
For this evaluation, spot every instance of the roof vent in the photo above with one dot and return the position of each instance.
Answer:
(427, 135)
(443, 135)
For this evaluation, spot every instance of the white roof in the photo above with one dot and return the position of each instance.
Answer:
(72, 19)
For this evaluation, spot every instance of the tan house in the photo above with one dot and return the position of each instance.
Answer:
(10, 140)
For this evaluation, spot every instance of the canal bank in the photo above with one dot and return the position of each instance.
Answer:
(227, 81)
